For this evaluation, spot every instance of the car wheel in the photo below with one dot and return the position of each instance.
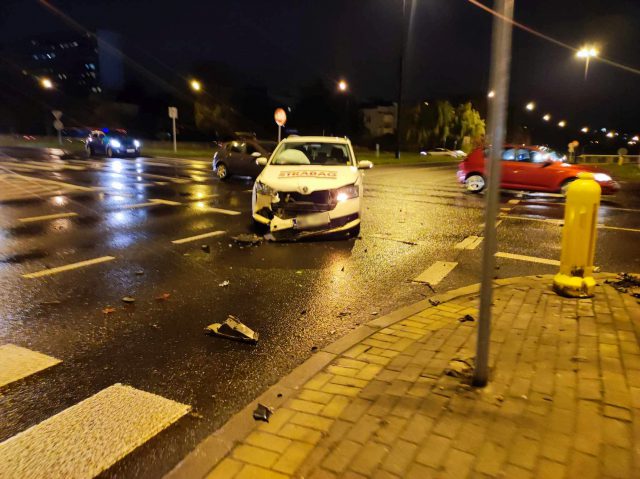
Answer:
(475, 183)
(90, 152)
(222, 171)
(354, 232)
(565, 186)
(109, 152)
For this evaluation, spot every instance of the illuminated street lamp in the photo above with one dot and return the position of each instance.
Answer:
(562, 123)
(46, 83)
(587, 53)
(585, 129)
(491, 94)
(195, 85)
(547, 117)
(611, 134)
(531, 106)
(636, 138)
(342, 86)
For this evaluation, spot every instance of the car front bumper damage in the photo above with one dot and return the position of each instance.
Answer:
(295, 220)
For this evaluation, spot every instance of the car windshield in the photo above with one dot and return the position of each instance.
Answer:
(545, 155)
(312, 154)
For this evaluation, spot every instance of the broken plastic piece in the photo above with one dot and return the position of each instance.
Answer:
(129, 299)
(459, 368)
(224, 284)
(139, 273)
(248, 239)
(262, 413)
(232, 328)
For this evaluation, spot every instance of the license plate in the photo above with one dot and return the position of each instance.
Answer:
(130, 150)
(311, 221)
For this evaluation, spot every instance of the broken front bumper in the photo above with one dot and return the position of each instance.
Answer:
(344, 216)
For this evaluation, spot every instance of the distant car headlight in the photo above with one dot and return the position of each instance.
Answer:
(137, 144)
(602, 177)
(115, 143)
(346, 193)
(263, 189)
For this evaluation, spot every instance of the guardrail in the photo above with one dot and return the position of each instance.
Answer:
(608, 159)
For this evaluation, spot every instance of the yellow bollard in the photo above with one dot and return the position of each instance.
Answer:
(575, 278)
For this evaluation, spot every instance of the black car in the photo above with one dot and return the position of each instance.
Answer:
(239, 158)
(112, 144)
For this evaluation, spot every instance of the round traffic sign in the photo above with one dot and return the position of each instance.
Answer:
(58, 125)
(280, 116)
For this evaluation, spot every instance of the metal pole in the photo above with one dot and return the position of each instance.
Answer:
(175, 144)
(500, 65)
(279, 133)
(403, 42)
(60, 137)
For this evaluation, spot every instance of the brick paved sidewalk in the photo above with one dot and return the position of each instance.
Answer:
(563, 401)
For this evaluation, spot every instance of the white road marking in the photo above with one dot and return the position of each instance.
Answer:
(224, 212)
(68, 267)
(17, 363)
(165, 202)
(470, 242)
(531, 259)
(152, 202)
(197, 237)
(436, 272)
(89, 437)
(32, 219)
(619, 228)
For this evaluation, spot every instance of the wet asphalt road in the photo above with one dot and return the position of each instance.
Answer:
(296, 295)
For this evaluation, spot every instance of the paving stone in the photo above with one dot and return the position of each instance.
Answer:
(400, 457)
(268, 441)
(524, 452)
(457, 465)
(491, 457)
(550, 470)
(252, 472)
(556, 446)
(417, 428)
(255, 455)
(616, 433)
(341, 456)
(616, 462)
(364, 428)
(311, 421)
(300, 433)
(369, 458)
(418, 471)
(225, 469)
(583, 466)
(389, 430)
(356, 408)
(293, 457)
(433, 451)
(335, 407)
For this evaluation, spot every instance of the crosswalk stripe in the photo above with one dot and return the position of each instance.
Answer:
(531, 259)
(224, 212)
(436, 272)
(67, 267)
(470, 242)
(17, 363)
(89, 437)
(32, 219)
(197, 237)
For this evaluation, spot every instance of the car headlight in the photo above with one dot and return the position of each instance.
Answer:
(263, 189)
(346, 193)
(137, 144)
(114, 143)
(602, 177)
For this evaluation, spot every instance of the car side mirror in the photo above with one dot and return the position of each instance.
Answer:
(365, 165)
(256, 154)
(262, 161)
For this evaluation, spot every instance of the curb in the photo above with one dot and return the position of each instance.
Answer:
(217, 445)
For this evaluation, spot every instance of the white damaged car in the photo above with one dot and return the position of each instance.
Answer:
(311, 185)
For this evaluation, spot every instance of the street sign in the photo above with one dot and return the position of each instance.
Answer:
(57, 114)
(173, 112)
(58, 125)
(280, 116)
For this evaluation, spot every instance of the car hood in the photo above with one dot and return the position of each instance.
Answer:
(307, 179)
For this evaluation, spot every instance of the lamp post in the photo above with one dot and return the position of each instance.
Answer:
(343, 88)
(587, 53)
(195, 85)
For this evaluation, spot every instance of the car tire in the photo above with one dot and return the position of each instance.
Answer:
(109, 152)
(90, 152)
(260, 228)
(565, 186)
(222, 171)
(475, 183)
(353, 232)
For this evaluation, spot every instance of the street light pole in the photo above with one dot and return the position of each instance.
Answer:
(500, 66)
(403, 42)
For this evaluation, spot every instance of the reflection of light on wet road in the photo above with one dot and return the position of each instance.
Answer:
(116, 166)
(116, 185)
(138, 178)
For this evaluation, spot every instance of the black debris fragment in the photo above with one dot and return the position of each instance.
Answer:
(459, 368)
(262, 413)
(434, 302)
(626, 283)
(205, 248)
(467, 318)
(139, 272)
(248, 239)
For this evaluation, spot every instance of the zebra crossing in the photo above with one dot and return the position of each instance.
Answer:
(15, 187)
(87, 438)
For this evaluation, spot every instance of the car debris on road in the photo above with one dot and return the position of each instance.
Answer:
(233, 329)
(262, 413)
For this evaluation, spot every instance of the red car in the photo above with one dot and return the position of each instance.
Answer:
(529, 168)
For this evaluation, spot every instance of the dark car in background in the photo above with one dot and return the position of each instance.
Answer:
(112, 143)
(239, 157)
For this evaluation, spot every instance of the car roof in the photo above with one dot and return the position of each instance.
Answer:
(317, 139)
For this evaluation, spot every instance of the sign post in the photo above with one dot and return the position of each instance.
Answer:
(500, 68)
(57, 124)
(280, 116)
(173, 114)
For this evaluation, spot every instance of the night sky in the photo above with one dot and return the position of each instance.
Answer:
(286, 44)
